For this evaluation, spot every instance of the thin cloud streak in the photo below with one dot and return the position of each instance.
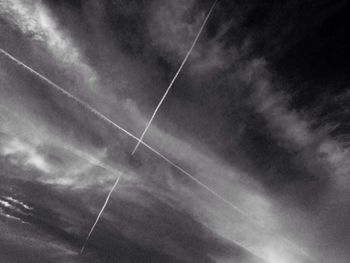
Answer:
(176, 75)
(99, 214)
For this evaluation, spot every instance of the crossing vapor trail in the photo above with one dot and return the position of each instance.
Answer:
(175, 76)
(103, 117)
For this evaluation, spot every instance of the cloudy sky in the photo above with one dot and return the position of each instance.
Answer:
(254, 131)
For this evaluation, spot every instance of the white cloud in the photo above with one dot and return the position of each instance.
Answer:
(25, 154)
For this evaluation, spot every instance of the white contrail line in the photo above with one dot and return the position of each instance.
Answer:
(99, 214)
(98, 163)
(175, 76)
(79, 101)
(100, 115)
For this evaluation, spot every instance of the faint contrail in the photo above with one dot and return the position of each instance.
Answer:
(175, 76)
(101, 116)
(99, 215)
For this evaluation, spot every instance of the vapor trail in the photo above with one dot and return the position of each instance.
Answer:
(101, 116)
(99, 214)
(175, 76)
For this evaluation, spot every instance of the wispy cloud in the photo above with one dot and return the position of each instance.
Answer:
(60, 163)
(23, 153)
(36, 22)
(293, 128)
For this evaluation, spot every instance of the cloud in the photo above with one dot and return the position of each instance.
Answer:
(26, 154)
(36, 22)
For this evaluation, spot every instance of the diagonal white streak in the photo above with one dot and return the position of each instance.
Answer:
(175, 76)
(107, 168)
(99, 214)
(103, 117)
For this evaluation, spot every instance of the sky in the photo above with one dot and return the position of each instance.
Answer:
(249, 158)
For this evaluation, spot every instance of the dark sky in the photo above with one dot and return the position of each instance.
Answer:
(258, 115)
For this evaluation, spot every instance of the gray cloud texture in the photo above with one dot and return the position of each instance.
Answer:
(61, 161)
